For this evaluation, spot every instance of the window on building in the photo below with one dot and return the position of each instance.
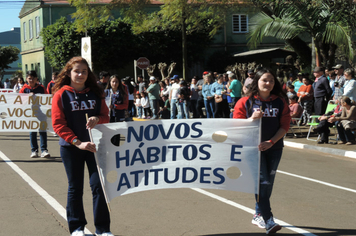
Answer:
(26, 68)
(24, 32)
(30, 25)
(37, 20)
(239, 23)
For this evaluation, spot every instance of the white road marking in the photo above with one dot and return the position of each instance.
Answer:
(51, 201)
(318, 181)
(252, 211)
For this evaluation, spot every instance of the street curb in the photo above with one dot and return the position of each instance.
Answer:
(334, 151)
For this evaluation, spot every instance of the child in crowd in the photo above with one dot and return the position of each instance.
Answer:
(291, 92)
(145, 105)
(296, 110)
(33, 87)
(138, 105)
(165, 110)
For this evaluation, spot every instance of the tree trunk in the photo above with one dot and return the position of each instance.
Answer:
(184, 48)
(302, 49)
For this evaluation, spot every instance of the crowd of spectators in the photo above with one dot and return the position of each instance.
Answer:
(214, 95)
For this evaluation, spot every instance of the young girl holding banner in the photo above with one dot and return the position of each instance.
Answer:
(77, 96)
(266, 101)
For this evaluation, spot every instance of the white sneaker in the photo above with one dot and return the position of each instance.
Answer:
(45, 154)
(34, 154)
(259, 221)
(104, 234)
(78, 233)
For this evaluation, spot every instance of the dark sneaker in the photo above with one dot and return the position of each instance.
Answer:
(271, 226)
(259, 221)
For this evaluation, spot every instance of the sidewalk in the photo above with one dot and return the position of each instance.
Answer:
(301, 142)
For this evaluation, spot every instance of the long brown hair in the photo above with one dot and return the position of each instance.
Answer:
(64, 77)
(121, 87)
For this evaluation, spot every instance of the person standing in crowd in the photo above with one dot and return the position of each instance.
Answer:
(194, 97)
(183, 100)
(104, 77)
(322, 91)
(131, 92)
(153, 91)
(209, 100)
(146, 106)
(138, 105)
(347, 121)
(164, 111)
(20, 83)
(173, 96)
(32, 87)
(306, 94)
(339, 81)
(350, 85)
(7, 84)
(52, 82)
(218, 91)
(142, 86)
(75, 89)
(119, 99)
(235, 87)
(248, 82)
(164, 89)
(298, 82)
(200, 100)
(332, 77)
(266, 93)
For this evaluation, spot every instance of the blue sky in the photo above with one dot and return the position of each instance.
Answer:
(9, 14)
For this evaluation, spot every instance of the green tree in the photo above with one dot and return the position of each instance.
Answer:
(8, 55)
(328, 23)
(186, 17)
(114, 45)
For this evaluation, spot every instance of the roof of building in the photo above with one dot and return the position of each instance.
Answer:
(11, 37)
(265, 53)
(31, 4)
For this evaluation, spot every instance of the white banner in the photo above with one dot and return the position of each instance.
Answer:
(194, 153)
(21, 112)
(86, 50)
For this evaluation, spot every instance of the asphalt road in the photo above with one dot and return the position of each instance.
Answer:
(314, 194)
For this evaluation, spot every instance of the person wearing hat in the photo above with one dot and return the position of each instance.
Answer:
(153, 91)
(173, 96)
(339, 81)
(322, 91)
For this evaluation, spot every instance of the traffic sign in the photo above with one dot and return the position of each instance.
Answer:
(142, 63)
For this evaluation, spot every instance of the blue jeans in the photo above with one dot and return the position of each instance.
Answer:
(269, 163)
(183, 110)
(154, 108)
(209, 108)
(139, 112)
(43, 141)
(174, 109)
(74, 160)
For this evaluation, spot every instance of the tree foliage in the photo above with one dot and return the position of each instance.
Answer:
(114, 45)
(329, 23)
(8, 55)
(186, 17)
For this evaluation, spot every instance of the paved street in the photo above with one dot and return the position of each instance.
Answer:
(314, 194)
